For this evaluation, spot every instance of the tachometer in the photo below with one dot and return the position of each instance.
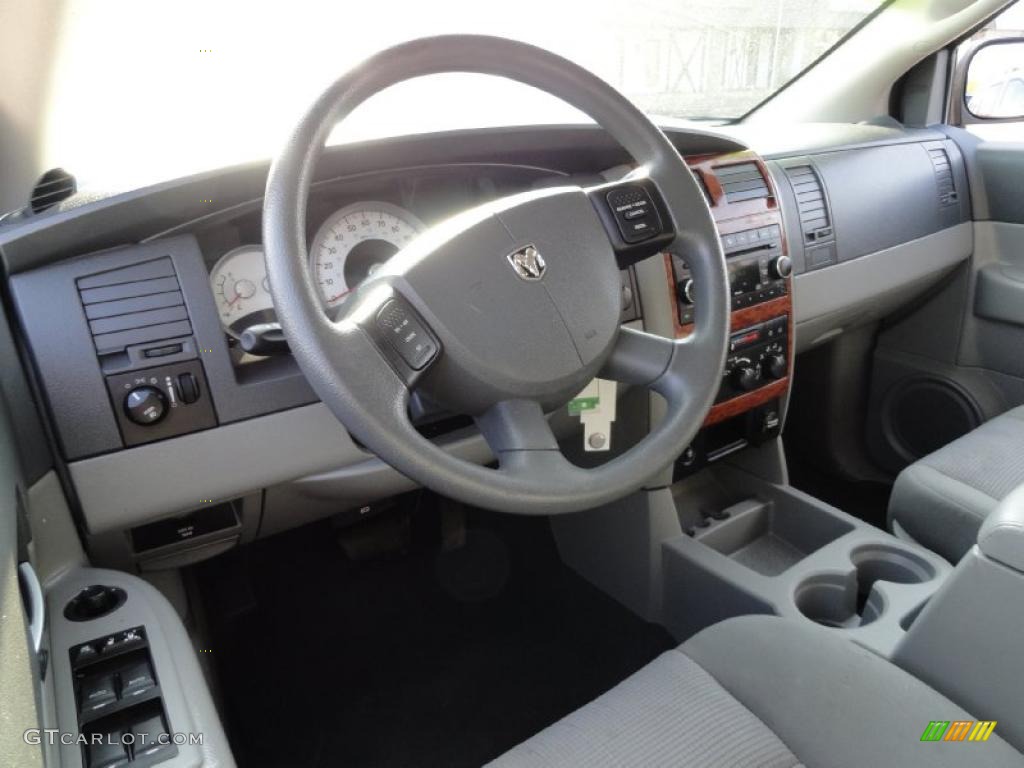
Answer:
(241, 289)
(355, 241)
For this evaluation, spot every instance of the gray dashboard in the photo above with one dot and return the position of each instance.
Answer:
(892, 230)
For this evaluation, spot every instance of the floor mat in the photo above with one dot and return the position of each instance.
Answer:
(423, 659)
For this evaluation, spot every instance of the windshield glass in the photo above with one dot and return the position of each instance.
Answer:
(149, 91)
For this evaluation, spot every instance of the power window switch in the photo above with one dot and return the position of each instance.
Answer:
(151, 739)
(136, 679)
(108, 753)
(97, 692)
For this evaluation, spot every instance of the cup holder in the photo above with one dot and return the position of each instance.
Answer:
(850, 599)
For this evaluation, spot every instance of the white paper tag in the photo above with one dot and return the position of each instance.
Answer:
(595, 405)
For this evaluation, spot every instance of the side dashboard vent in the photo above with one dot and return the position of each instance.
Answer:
(815, 219)
(743, 181)
(53, 186)
(134, 305)
(943, 176)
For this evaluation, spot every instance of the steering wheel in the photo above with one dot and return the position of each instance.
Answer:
(509, 309)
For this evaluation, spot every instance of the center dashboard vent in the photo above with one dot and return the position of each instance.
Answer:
(943, 176)
(815, 219)
(742, 181)
(134, 305)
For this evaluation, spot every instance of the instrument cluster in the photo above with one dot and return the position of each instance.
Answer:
(348, 247)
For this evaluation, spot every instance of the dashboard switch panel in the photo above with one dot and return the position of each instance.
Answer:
(156, 403)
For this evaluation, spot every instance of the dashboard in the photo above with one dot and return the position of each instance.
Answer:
(132, 308)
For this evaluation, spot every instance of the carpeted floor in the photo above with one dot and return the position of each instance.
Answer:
(420, 658)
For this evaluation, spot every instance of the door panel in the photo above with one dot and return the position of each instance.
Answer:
(18, 664)
(958, 358)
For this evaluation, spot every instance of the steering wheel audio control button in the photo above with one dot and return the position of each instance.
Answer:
(406, 334)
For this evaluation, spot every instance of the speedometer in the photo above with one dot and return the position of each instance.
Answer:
(354, 242)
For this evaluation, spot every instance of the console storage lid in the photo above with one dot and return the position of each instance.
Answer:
(1001, 537)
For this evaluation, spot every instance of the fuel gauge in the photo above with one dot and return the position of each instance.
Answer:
(240, 288)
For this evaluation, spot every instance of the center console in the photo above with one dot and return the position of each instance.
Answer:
(752, 546)
(749, 406)
(748, 542)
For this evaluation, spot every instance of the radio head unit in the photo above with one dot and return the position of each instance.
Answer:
(757, 270)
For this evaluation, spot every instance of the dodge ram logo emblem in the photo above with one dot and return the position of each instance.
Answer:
(528, 263)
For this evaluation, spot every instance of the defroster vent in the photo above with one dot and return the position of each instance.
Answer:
(134, 305)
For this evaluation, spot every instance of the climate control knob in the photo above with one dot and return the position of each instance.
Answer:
(145, 405)
(781, 268)
(775, 366)
(746, 378)
(684, 289)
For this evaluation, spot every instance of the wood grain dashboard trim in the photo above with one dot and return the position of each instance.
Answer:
(730, 218)
(749, 401)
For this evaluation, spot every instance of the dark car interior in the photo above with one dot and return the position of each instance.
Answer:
(631, 442)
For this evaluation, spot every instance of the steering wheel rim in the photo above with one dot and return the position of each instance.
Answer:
(365, 381)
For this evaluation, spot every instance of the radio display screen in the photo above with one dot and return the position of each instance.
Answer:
(745, 277)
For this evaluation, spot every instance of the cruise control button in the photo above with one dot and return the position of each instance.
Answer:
(634, 213)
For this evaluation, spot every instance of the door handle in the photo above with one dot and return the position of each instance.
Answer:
(32, 593)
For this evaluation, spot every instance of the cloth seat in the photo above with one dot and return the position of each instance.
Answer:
(761, 691)
(941, 500)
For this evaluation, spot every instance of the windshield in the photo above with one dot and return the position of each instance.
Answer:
(149, 91)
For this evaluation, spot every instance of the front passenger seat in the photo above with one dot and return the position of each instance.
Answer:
(761, 691)
(941, 500)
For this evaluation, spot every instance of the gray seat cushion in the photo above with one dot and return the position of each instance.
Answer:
(761, 691)
(941, 500)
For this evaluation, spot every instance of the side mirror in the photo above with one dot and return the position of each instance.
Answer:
(993, 82)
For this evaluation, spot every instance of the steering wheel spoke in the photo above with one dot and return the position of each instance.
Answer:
(651, 361)
(516, 425)
(520, 436)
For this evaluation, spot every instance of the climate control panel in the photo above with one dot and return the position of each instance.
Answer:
(758, 355)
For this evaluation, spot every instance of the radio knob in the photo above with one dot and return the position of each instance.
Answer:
(775, 366)
(684, 289)
(746, 378)
(145, 405)
(781, 268)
